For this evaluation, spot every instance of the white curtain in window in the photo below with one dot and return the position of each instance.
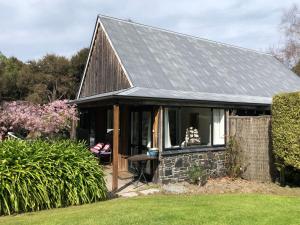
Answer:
(219, 127)
(167, 129)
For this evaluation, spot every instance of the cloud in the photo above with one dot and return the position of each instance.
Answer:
(32, 28)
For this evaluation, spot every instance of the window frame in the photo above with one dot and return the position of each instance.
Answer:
(179, 110)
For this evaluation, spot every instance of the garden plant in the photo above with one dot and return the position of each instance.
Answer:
(41, 174)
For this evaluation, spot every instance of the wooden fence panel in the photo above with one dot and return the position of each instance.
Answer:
(253, 134)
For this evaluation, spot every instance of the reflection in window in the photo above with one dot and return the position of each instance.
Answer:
(187, 127)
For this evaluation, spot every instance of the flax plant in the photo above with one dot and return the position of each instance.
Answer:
(39, 174)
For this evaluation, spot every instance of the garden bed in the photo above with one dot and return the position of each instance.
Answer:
(228, 185)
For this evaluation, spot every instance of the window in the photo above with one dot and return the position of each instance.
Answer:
(192, 127)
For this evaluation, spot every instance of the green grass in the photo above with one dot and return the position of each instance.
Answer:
(173, 210)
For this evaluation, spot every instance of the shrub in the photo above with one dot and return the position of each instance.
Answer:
(38, 174)
(286, 129)
(197, 175)
(32, 120)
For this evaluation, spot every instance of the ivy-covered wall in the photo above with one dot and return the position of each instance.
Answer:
(286, 129)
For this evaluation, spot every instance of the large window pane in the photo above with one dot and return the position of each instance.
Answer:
(192, 127)
(196, 126)
(219, 127)
(187, 127)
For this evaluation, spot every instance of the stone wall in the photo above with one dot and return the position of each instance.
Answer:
(174, 167)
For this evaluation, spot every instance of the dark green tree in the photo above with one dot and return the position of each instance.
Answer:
(78, 62)
(9, 74)
(41, 81)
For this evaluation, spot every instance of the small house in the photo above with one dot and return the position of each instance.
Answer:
(152, 88)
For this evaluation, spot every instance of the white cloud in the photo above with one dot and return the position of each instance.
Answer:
(30, 29)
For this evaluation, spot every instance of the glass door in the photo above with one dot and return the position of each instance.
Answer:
(134, 133)
(140, 132)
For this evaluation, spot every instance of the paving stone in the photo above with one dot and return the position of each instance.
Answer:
(177, 188)
(149, 191)
(128, 194)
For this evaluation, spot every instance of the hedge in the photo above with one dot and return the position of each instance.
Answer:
(40, 174)
(286, 129)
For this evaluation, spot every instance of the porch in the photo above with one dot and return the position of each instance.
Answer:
(130, 130)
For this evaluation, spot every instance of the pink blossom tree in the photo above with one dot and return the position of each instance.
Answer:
(36, 120)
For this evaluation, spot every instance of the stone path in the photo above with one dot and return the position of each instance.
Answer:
(127, 188)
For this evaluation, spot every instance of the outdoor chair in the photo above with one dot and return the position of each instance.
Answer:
(106, 153)
(97, 148)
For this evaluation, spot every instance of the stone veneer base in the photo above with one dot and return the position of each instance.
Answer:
(173, 167)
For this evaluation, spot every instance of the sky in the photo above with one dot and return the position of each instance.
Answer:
(29, 29)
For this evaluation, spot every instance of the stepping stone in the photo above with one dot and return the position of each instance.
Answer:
(128, 194)
(150, 191)
(175, 188)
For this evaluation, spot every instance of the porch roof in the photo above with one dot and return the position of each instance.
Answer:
(163, 94)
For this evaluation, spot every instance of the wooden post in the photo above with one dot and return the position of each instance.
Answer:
(73, 130)
(155, 128)
(160, 128)
(157, 140)
(115, 147)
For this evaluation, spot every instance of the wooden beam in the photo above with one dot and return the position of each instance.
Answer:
(157, 140)
(155, 128)
(116, 112)
(160, 128)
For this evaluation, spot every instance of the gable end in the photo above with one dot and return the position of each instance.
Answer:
(104, 71)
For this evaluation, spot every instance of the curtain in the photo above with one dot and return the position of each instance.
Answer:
(167, 129)
(218, 127)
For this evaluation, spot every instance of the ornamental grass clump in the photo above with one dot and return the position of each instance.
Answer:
(38, 174)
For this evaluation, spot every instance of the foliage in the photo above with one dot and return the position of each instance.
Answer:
(234, 159)
(36, 120)
(78, 62)
(286, 129)
(229, 209)
(289, 51)
(9, 73)
(42, 175)
(41, 81)
(197, 175)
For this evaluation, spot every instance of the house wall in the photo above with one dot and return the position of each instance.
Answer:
(104, 72)
(173, 168)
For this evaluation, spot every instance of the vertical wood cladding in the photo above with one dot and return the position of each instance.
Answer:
(104, 72)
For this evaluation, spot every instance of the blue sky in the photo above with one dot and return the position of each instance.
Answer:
(30, 29)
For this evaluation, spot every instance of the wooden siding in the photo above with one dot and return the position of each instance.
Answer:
(104, 72)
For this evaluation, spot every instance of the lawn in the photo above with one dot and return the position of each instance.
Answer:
(173, 210)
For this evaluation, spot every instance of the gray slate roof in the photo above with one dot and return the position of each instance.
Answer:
(166, 64)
